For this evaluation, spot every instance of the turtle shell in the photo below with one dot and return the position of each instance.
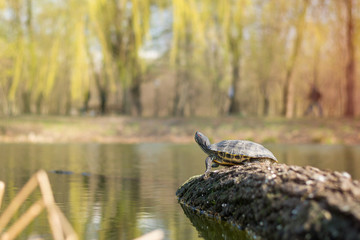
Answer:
(230, 152)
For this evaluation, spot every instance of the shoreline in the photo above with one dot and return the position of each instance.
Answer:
(124, 129)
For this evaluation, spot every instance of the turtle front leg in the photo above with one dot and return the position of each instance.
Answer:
(208, 163)
(215, 165)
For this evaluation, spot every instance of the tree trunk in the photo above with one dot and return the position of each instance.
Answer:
(277, 201)
(125, 109)
(39, 102)
(156, 98)
(103, 92)
(86, 101)
(181, 93)
(234, 107)
(219, 97)
(350, 66)
(266, 105)
(103, 100)
(68, 104)
(182, 79)
(135, 94)
(176, 98)
(4, 102)
(26, 102)
(265, 95)
(288, 95)
(26, 95)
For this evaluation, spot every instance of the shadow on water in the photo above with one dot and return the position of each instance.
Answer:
(211, 229)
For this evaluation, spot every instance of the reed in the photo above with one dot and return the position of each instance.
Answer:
(60, 227)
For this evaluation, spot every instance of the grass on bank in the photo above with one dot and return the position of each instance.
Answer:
(130, 129)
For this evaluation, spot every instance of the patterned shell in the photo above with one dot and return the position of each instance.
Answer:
(236, 150)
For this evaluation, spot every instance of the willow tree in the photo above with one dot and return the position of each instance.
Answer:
(36, 56)
(266, 45)
(288, 91)
(187, 43)
(101, 17)
(120, 28)
(80, 67)
(18, 57)
(216, 57)
(193, 22)
(350, 65)
(27, 65)
(139, 23)
(30, 59)
(233, 15)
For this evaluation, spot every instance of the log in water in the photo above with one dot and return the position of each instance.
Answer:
(278, 201)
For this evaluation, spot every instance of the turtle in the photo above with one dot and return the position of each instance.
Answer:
(231, 152)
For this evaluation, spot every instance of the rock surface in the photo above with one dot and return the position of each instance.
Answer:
(278, 201)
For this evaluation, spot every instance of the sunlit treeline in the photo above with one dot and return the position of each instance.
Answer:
(178, 57)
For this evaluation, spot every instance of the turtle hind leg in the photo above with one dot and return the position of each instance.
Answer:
(208, 165)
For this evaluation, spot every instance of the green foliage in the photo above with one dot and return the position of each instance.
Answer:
(54, 53)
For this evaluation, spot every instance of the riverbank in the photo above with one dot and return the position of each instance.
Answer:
(48, 129)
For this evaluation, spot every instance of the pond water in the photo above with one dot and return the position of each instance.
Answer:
(122, 191)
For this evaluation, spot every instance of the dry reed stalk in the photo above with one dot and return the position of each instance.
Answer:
(24, 220)
(17, 201)
(48, 197)
(2, 190)
(60, 227)
(68, 229)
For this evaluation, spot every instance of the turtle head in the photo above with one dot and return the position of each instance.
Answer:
(202, 140)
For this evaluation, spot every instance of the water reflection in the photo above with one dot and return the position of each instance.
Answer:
(121, 191)
(332, 157)
(211, 229)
